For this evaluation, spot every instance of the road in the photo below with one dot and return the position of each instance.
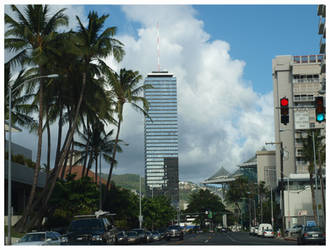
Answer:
(230, 238)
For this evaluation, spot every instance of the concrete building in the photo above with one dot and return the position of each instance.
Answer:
(299, 79)
(266, 165)
(161, 137)
(21, 179)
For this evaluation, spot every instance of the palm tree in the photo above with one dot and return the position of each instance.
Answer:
(20, 110)
(308, 156)
(91, 46)
(32, 35)
(125, 89)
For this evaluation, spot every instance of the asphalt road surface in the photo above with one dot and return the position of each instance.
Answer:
(230, 238)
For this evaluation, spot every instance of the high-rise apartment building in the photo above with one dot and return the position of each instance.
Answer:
(298, 78)
(161, 136)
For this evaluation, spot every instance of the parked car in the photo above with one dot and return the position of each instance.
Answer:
(311, 235)
(251, 230)
(132, 237)
(262, 227)
(294, 230)
(141, 235)
(156, 236)
(162, 232)
(40, 238)
(224, 229)
(121, 237)
(90, 230)
(268, 233)
(149, 236)
(174, 232)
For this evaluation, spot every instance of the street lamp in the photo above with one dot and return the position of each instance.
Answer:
(10, 90)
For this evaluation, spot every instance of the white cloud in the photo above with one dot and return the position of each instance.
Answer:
(223, 121)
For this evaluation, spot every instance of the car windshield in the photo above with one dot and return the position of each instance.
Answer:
(132, 233)
(33, 237)
(313, 229)
(86, 224)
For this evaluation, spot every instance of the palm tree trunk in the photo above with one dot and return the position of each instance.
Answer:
(63, 174)
(86, 150)
(313, 195)
(71, 155)
(48, 190)
(96, 162)
(37, 166)
(89, 166)
(48, 147)
(113, 155)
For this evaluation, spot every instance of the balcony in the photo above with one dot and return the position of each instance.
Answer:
(322, 46)
(321, 26)
(321, 10)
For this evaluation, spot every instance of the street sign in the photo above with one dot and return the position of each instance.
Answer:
(302, 212)
(311, 223)
(301, 119)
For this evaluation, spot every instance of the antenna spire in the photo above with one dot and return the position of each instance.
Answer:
(158, 47)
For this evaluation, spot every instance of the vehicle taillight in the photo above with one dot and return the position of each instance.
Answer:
(305, 234)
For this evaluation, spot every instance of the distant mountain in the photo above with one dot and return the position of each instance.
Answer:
(128, 181)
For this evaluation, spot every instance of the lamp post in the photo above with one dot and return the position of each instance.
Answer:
(10, 90)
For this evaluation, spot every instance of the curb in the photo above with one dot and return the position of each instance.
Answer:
(290, 238)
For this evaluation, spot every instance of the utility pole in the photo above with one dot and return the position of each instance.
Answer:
(140, 216)
(282, 186)
(100, 178)
(316, 188)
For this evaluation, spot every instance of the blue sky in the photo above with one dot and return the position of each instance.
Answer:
(256, 33)
(222, 58)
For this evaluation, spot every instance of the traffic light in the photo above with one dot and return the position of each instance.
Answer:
(284, 110)
(319, 109)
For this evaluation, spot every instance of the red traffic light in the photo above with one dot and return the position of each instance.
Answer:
(284, 101)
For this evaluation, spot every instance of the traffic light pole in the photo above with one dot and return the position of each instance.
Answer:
(282, 188)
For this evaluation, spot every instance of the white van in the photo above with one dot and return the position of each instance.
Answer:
(263, 227)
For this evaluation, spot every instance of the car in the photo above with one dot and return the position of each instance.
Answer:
(224, 230)
(141, 235)
(311, 235)
(268, 233)
(121, 237)
(90, 230)
(149, 236)
(162, 232)
(174, 231)
(262, 227)
(294, 230)
(156, 235)
(40, 238)
(132, 237)
(251, 230)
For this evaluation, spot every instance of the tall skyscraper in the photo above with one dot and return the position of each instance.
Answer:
(161, 137)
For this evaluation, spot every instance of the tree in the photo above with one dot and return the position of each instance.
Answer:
(124, 204)
(237, 190)
(308, 156)
(157, 212)
(204, 201)
(20, 110)
(32, 36)
(72, 197)
(125, 89)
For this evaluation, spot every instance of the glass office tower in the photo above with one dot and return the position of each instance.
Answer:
(161, 137)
